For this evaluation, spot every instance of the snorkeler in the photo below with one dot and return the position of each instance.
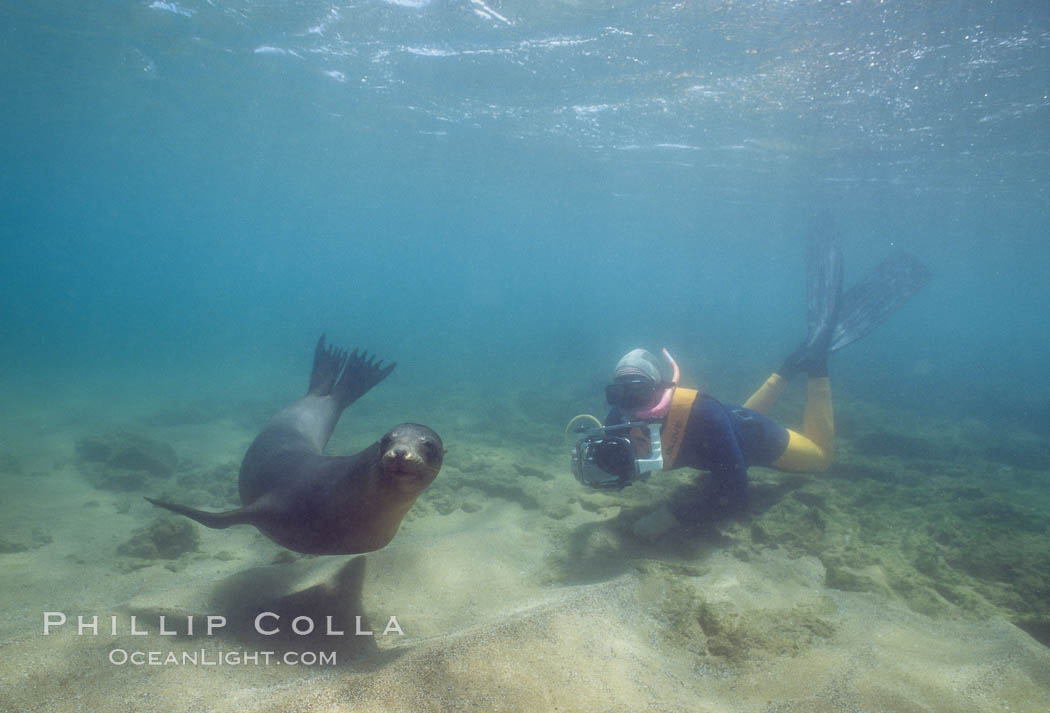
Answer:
(656, 425)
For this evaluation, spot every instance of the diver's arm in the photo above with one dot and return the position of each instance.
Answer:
(724, 458)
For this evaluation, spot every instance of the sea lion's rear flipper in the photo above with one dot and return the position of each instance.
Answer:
(328, 362)
(359, 373)
(216, 520)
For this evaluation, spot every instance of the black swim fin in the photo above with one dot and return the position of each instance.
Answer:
(823, 300)
(836, 320)
(823, 286)
(882, 291)
(215, 520)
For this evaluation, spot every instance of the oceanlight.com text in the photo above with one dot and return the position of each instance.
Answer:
(202, 657)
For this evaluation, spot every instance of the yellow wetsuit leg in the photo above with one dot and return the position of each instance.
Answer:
(767, 394)
(812, 449)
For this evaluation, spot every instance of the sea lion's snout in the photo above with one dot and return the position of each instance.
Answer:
(400, 457)
(412, 454)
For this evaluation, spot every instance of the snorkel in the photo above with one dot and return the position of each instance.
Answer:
(659, 411)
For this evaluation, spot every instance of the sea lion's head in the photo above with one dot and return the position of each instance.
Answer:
(410, 457)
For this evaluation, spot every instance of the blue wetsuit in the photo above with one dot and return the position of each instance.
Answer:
(725, 440)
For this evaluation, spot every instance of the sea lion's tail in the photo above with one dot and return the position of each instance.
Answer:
(216, 520)
(347, 377)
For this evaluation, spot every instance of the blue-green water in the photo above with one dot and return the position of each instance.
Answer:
(504, 197)
(519, 190)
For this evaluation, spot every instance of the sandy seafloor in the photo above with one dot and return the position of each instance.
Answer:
(894, 582)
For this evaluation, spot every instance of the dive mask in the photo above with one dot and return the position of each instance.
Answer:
(629, 396)
(644, 399)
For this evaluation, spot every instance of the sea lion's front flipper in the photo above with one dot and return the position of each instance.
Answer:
(217, 520)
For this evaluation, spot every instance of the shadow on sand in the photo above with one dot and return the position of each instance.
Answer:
(266, 608)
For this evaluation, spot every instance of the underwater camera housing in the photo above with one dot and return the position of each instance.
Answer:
(613, 457)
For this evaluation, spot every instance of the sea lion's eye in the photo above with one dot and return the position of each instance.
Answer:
(384, 444)
(430, 449)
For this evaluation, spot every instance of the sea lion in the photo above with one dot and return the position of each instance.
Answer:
(333, 505)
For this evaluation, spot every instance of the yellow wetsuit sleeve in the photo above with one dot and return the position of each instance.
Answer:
(767, 394)
(812, 449)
